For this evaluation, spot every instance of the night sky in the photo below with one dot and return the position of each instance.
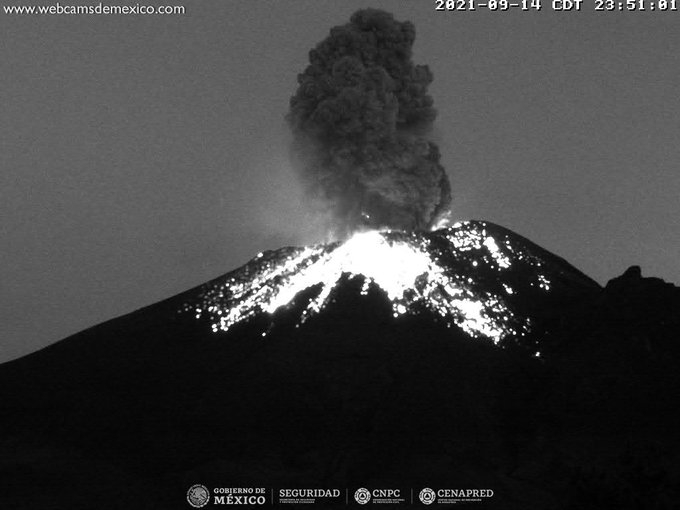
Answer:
(143, 155)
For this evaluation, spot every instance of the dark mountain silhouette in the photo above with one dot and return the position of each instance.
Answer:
(498, 366)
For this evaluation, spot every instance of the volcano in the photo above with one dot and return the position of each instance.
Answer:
(467, 357)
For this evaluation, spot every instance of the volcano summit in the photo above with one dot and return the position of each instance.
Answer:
(475, 276)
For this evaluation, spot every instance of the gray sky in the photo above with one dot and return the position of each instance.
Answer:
(143, 155)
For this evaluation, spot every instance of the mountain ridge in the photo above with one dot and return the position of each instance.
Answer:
(580, 414)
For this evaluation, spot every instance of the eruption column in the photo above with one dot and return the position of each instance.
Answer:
(360, 119)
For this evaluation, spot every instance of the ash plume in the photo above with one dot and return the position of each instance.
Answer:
(360, 119)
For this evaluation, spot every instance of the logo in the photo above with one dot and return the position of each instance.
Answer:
(198, 495)
(427, 496)
(362, 496)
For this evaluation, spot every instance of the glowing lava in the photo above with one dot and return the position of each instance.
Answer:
(456, 273)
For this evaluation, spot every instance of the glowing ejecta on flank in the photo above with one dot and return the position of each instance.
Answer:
(406, 266)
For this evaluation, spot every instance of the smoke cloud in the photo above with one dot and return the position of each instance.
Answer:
(360, 119)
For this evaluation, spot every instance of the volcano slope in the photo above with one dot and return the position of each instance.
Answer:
(490, 363)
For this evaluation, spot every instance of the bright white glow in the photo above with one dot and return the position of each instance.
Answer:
(502, 261)
(392, 266)
(442, 222)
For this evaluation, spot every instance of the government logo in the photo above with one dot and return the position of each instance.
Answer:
(427, 496)
(198, 495)
(362, 496)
